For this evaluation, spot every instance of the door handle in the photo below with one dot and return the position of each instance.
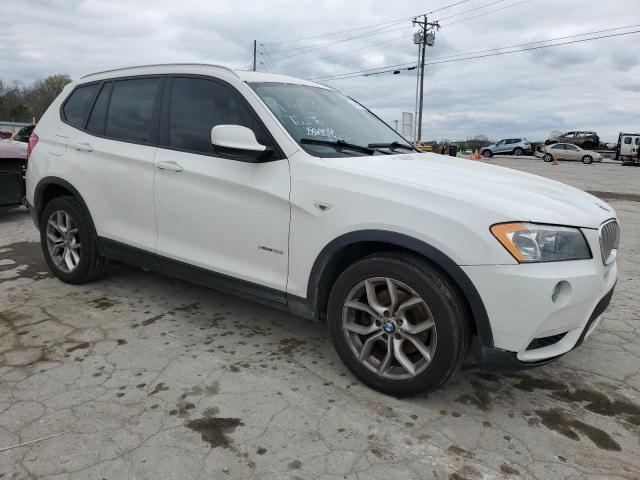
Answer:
(171, 166)
(82, 146)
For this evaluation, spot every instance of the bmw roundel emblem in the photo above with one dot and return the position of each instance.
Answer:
(388, 326)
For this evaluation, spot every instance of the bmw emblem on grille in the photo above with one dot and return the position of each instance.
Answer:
(388, 326)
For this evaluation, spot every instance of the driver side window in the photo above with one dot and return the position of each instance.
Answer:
(197, 105)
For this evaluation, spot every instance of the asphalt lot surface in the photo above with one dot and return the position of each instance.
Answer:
(142, 376)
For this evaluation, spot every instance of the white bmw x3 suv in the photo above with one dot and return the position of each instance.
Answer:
(293, 194)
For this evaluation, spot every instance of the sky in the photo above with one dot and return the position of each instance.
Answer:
(585, 86)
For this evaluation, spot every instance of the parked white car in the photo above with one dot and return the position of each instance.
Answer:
(290, 193)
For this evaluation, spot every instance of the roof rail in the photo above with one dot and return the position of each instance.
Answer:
(162, 65)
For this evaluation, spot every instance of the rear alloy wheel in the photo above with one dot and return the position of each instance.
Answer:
(547, 157)
(587, 159)
(69, 241)
(398, 324)
(487, 153)
(63, 241)
(517, 151)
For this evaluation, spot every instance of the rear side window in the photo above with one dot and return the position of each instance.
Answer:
(99, 112)
(131, 109)
(559, 146)
(78, 104)
(197, 105)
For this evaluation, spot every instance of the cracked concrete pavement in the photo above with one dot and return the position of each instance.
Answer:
(146, 377)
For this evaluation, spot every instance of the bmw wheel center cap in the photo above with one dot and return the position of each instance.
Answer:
(389, 326)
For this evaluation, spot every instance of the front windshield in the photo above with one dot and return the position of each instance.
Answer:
(314, 115)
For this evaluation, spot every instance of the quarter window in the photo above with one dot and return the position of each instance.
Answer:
(131, 109)
(197, 105)
(99, 112)
(77, 106)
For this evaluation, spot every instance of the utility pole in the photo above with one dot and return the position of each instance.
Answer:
(425, 38)
(396, 122)
(255, 45)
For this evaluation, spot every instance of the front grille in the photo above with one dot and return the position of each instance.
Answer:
(545, 341)
(609, 240)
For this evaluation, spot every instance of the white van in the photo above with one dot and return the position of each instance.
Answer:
(628, 148)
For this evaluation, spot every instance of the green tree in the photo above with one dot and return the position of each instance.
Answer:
(43, 92)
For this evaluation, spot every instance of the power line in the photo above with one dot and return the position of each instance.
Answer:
(364, 27)
(392, 68)
(311, 48)
(535, 43)
(471, 10)
(485, 13)
(395, 39)
(383, 30)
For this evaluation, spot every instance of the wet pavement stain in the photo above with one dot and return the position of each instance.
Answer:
(562, 422)
(599, 403)
(80, 346)
(103, 303)
(26, 259)
(508, 470)
(214, 430)
(459, 451)
(465, 473)
(527, 383)
(152, 320)
(289, 345)
(160, 387)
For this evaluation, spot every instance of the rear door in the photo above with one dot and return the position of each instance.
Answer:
(110, 156)
(558, 151)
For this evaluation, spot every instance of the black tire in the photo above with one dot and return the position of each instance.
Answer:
(444, 301)
(547, 157)
(517, 151)
(587, 159)
(91, 265)
(487, 153)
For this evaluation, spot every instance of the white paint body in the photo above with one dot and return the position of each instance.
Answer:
(215, 213)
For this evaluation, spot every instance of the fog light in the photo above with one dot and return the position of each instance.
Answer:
(561, 293)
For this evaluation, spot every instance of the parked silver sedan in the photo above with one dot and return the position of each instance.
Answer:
(567, 151)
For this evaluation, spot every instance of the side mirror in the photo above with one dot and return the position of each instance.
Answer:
(237, 142)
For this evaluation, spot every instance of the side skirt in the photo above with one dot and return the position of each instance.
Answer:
(121, 252)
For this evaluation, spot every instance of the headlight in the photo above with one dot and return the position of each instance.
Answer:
(529, 243)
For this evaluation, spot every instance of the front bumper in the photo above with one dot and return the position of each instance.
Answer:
(528, 321)
(496, 359)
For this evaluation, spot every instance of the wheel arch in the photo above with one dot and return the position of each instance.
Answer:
(344, 250)
(49, 188)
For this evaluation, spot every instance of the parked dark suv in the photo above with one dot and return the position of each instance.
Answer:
(586, 140)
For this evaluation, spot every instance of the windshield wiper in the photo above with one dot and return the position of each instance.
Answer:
(339, 144)
(391, 146)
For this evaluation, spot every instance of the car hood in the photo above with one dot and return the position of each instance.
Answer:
(508, 194)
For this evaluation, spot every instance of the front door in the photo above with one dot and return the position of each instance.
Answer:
(572, 152)
(223, 215)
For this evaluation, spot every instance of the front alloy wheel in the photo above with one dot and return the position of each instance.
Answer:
(399, 324)
(63, 241)
(389, 328)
